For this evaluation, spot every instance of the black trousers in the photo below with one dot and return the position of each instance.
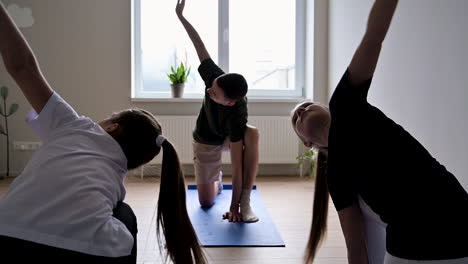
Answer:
(15, 250)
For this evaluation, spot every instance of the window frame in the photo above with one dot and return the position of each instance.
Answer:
(223, 55)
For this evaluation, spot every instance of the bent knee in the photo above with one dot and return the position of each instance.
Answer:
(252, 134)
(206, 194)
(206, 203)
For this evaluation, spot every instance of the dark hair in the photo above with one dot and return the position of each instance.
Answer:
(234, 85)
(320, 210)
(181, 241)
(137, 134)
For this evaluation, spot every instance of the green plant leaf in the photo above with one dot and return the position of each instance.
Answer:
(4, 92)
(179, 76)
(309, 155)
(2, 131)
(180, 71)
(171, 78)
(13, 109)
(187, 75)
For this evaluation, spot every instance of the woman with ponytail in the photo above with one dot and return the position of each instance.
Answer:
(412, 212)
(143, 143)
(67, 204)
(311, 122)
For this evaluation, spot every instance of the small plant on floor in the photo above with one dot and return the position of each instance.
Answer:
(309, 157)
(4, 131)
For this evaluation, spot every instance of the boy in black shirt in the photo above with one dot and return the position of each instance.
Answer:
(222, 126)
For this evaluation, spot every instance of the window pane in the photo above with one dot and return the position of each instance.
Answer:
(164, 41)
(262, 42)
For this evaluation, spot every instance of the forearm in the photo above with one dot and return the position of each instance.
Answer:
(236, 187)
(195, 38)
(237, 171)
(379, 20)
(14, 49)
(21, 63)
(364, 62)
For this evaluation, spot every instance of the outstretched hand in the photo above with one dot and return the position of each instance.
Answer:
(180, 7)
(192, 33)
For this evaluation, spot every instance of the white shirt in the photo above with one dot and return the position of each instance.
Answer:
(65, 195)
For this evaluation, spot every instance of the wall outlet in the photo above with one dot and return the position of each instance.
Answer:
(26, 145)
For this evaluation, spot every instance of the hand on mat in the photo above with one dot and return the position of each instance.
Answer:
(180, 7)
(233, 215)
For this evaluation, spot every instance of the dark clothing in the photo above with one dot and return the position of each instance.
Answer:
(215, 122)
(21, 251)
(423, 204)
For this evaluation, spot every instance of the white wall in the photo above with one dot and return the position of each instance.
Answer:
(422, 78)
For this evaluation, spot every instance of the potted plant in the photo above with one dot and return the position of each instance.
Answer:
(178, 77)
(4, 131)
(310, 157)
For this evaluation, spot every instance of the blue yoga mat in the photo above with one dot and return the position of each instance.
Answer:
(213, 231)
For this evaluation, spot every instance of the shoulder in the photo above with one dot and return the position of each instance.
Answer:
(209, 71)
(208, 65)
(207, 62)
(347, 97)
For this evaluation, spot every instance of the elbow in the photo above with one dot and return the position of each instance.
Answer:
(15, 69)
(372, 41)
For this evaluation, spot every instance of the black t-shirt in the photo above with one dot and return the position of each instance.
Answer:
(423, 204)
(215, 122)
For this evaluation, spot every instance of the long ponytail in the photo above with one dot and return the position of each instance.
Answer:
(182, 244)
(320, 209)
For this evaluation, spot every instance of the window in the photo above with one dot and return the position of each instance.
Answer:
(261, 39)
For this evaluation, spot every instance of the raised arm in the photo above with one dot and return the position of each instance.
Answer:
(193, 34)
(21, 63)
(365, 58)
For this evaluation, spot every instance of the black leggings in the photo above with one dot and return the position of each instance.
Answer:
(15, 250)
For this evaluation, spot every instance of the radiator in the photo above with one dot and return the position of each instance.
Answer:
(278, 142)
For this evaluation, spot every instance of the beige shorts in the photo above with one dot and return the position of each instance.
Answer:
(207, 161)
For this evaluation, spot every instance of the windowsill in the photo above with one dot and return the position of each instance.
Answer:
(200, 99)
